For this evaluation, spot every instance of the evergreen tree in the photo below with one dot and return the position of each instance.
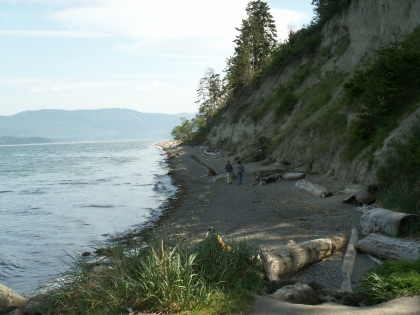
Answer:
(254, 45)
(210, 94)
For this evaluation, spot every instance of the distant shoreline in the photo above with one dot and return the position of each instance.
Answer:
(6, 140)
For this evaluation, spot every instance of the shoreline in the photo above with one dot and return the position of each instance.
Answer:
(269, 215)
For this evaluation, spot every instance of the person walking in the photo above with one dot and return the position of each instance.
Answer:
(240, 170)
(229, 170)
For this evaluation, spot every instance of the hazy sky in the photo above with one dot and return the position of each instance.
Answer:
(144, 55)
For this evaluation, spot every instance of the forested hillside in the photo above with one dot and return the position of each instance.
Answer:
(339, 97)
(85, 125)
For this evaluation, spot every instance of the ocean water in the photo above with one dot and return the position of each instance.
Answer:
(58, 200)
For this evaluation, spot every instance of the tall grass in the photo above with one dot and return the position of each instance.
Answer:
(211, 278)
(391, 280)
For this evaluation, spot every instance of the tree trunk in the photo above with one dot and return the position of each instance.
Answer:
(364, 196)
(386, 222)
(292, 257)
(271, 178)
(290, 176)
(390, 247)
(314, 189)
(348, 261)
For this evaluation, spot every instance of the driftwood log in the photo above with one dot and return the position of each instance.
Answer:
(348, 261)
(211, 172)
(292, 257)
(386, 222)
(314, 189)
(366, 196)
(290, 176)
(267, 172)
(390, 247)
(271, 178)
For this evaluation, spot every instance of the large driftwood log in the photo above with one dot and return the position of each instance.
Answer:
(390, 247)
(314, 189)
(366, 195)
(292, 257)
(212, 172)
(290, 176)
(386, 222)
(271, 178)
(348, 261)
(267, 172)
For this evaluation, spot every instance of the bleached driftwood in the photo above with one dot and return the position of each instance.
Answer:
(292, 257)
(271, 178)
(290, 176)
(221, 177)
(385, 221)
(375, 260)
(348, 261)
(365, 208)
(211, 152)
(390, 247)
(366, 195)
(314, 189)
(267, 172)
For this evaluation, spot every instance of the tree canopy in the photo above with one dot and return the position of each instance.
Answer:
(254, 45)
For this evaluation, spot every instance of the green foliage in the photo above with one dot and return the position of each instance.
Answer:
(399, 175)
(390, 280)
(287, 104)
(326, 9)
(210, 278)
(387, 86)
(300, 43)
(187, 130)
(342, 46)
(254, 44)
(211, 94)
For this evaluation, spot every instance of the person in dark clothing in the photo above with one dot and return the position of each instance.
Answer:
(229, 170)
(240, 170)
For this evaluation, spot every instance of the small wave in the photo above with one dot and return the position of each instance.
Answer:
(75, 183)
(98, 206)
(33, 192)
(5, 191)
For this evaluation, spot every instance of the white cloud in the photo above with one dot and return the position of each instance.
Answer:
(207, 48)
(143, 88)
(37, 91)
(59, 34)
(164, 19)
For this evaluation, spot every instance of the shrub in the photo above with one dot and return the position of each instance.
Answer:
(387, 86)
(399, 175)
(163, 278)
(391, 280)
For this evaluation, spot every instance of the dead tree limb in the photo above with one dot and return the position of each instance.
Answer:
(348, 261)
(314, 189)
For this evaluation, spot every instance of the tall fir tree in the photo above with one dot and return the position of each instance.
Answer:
(254, 45)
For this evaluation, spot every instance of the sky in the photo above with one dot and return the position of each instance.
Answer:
(145, 55)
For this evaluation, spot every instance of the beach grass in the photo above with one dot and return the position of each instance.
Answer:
(391, 280)
(213, 277)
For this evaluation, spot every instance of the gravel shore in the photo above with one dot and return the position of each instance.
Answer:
(268, 215)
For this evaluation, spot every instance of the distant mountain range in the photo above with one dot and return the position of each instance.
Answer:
(85, 125)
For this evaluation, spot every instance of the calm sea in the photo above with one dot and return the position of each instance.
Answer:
(61, 199)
